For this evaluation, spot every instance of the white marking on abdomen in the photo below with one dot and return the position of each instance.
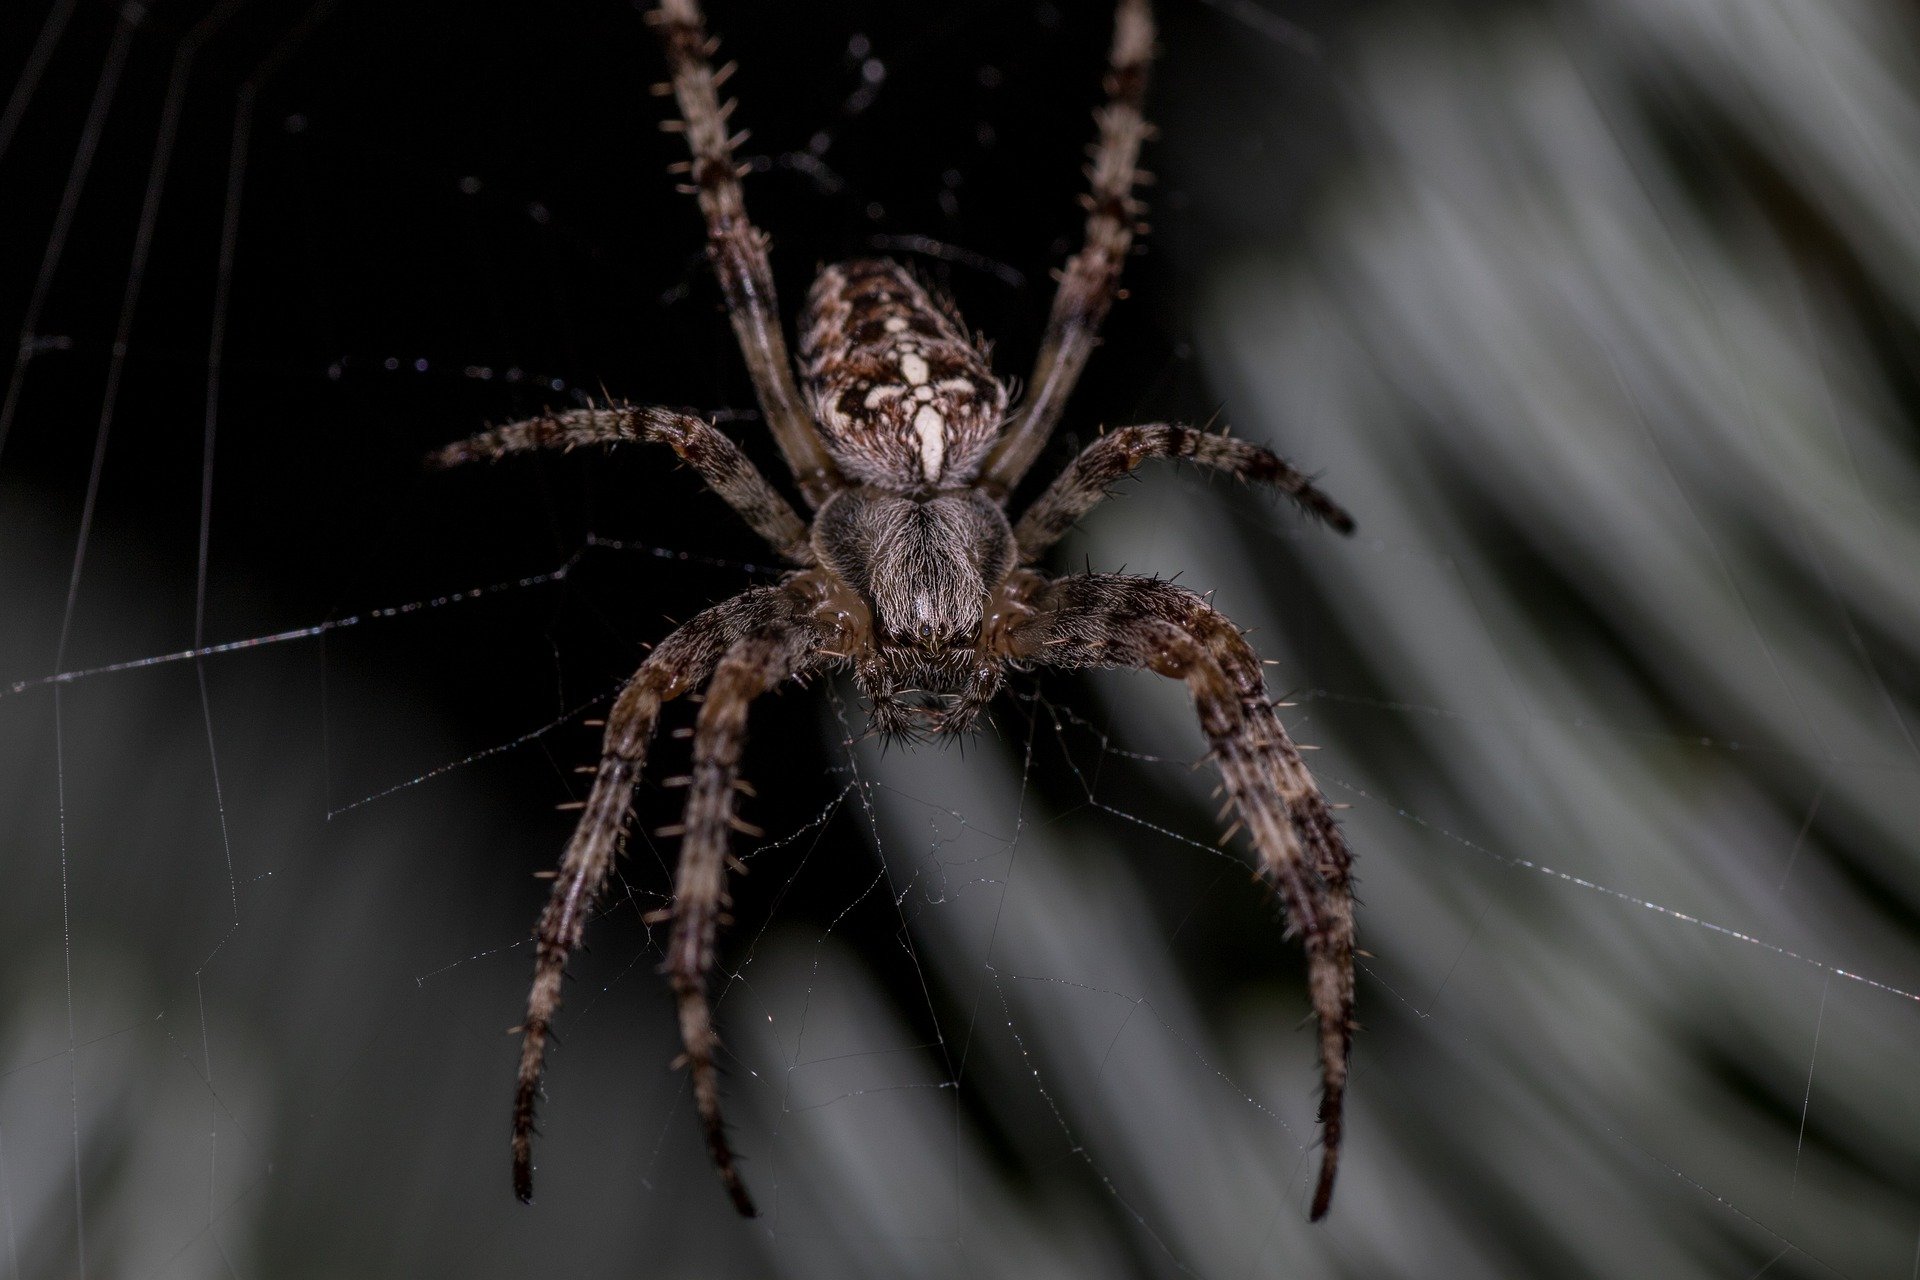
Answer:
(932, 430)
(913, 367)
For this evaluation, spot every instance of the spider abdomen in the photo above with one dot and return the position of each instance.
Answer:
(903, 397)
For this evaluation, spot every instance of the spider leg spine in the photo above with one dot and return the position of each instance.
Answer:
(680, 661)
(1088, 479)
(1113, 621)
(751, 667)
(737, 248)
(711, 453)
(1091, 279)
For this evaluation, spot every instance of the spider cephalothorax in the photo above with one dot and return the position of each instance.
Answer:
(910, 575)
(927, 571)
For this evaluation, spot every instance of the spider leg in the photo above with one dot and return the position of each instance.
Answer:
(1113, 621)
(737, 248)
(701, 445)
(1088, 479)
(751, 667)
(677, 664)
(1091, 280)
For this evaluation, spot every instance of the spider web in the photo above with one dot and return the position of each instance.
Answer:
(1600, 317)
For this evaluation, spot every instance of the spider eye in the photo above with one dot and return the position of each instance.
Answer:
(935, 632)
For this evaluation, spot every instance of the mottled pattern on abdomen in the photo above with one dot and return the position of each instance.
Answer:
(905, 400)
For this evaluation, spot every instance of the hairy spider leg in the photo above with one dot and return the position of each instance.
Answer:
(1091, 280)
(701, 445)
(1107, 620)
(737, 248)
(752, 667)
(678, 664)
(1090, 477)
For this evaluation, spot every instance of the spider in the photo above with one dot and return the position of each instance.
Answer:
(910, 573)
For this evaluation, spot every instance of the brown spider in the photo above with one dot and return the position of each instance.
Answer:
(911, 575)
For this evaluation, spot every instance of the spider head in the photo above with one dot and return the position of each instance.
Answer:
(924, 565)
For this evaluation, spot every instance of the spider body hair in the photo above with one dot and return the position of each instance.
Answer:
(904, 400)
(927, 568)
